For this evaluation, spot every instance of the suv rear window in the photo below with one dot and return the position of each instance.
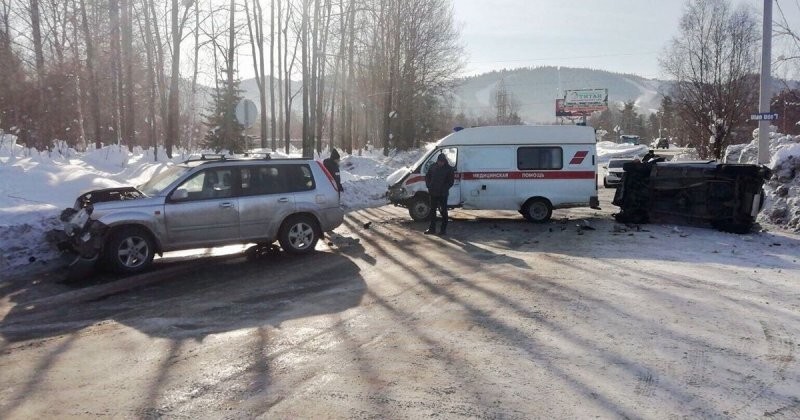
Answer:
(535, 158)
(276, 179)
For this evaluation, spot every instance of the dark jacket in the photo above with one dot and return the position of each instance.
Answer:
(333, 167)
(439, 179)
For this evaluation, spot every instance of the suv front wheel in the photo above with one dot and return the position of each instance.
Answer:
(129, 250)
(299, 234)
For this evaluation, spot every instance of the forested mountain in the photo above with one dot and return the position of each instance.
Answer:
(535, 90)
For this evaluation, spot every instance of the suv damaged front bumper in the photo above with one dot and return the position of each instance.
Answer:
(82, 238)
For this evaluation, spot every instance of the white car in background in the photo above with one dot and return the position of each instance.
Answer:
(614, 171)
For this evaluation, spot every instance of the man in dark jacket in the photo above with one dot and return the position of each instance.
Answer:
(439, 179)
(332, 165)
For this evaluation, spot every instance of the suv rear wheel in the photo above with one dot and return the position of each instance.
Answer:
(129, 250)
(299, 234)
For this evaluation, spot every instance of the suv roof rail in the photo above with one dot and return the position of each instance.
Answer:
(264, 155)
(207, 157)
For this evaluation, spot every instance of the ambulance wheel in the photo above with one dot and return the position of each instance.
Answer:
(537, 210)
(419, 208)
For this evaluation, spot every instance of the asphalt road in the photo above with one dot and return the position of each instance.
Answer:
(501, 319)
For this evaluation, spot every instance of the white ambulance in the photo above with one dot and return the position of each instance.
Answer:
(533, 169)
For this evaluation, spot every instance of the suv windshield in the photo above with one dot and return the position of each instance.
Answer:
(617, 163)
(158, 183)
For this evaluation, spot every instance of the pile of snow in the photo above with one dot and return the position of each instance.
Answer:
(607, 150)
(364, 177)
(35, 186)
(684, 154)
(782, 205)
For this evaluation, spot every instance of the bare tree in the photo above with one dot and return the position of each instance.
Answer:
(43, 133)
(272, 45)
(116, 70)
(791, 33)
(713, 60)
(308, 142)
(257, 46)
(94, 97)
(128, 104)
(173, 111)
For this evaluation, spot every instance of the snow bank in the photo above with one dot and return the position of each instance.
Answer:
(607, 150)
(782, 205)
(364, 177)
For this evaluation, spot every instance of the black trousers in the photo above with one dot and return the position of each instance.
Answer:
(440, 203)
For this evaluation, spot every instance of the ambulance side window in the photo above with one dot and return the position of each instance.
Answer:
(451, 153)
(538, 158)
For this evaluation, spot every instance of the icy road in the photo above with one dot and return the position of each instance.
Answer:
(503, 319)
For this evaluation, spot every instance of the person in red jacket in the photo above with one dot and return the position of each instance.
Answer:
(439, 179)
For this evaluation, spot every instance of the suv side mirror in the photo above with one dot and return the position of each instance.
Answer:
(180, 194)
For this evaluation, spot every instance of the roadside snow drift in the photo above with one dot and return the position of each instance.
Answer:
(782, 204)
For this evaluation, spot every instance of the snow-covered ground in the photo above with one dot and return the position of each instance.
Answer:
(36, 186)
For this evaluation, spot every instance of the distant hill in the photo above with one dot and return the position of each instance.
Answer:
(536, 89)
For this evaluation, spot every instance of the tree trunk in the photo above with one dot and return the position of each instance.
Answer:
(116, 71)
(173, 110)
(195, 69)
(94, 98)
(78, 90)
(161, 77)
(129, 119)
(151, 78)
(272, 31)
(280, 73)
(43, 134)
(351, 82)
(231, 52)
(308, 147)
(313, 68)
(263, 93)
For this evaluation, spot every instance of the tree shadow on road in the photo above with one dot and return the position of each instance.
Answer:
(217, 296)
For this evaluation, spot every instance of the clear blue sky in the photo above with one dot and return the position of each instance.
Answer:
(624, 36)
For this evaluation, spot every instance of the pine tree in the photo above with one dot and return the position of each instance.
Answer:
(225, 132)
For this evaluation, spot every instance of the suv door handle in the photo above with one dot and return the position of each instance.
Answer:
(226, 205)
(283, 200)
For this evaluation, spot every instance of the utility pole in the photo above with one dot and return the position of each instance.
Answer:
(763, 107)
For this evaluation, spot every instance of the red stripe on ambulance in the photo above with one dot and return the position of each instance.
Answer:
(529, 175)
(578, 158)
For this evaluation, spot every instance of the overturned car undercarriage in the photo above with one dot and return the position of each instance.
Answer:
(727, 197)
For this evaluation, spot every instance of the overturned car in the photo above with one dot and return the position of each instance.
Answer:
(727, 197)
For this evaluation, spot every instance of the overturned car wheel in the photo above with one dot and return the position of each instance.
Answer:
(128, 250)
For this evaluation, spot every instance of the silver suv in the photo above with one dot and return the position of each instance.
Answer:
(201, 203)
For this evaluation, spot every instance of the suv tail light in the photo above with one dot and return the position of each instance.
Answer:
(328, 174)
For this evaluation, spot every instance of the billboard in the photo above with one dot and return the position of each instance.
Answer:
(562, 112)
(582, 102)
